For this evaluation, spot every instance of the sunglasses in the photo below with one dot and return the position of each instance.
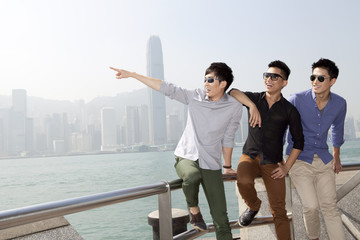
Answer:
(320, 78)
(209, 80)
(273, 76)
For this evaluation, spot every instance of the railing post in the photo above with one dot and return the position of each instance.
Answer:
(165, 214)
(348, 186)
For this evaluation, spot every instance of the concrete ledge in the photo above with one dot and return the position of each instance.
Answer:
(55, 228)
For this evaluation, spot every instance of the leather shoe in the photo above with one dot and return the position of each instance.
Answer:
(198, 222)
(247, 217)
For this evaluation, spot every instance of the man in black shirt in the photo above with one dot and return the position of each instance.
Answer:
(263, 149)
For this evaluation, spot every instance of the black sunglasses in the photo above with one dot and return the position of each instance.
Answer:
(273, 76)
(209, 80)
(320, 78)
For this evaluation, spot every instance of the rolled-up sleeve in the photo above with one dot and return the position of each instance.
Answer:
(337, 127)
(229, 136)
(175, 92)
(296, 130)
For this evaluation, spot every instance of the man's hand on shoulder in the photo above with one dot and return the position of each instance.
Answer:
(255, 117)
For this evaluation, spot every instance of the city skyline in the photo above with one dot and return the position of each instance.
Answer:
(78, 129)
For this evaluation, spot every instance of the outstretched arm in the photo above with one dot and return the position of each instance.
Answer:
(154, 83)
(255, 118)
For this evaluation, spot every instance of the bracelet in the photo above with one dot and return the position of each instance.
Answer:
(224, 166)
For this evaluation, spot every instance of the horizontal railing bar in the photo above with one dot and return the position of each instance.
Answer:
(29, 214)
(350, 166)
(345, 167)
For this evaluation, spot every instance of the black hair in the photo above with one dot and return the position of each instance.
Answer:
(222, 71)
(327, 64)
(282, 66)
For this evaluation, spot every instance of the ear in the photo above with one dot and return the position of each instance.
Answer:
(332, 82)
(284, 83)
(223, 84)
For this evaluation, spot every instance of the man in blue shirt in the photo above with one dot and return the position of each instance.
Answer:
(313, 173)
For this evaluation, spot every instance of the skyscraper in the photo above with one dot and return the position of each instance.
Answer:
(157, 112)
(4, 131)
(108, 129)
(18, 121)
(137, 125)
(144, 124)
(132, 125)
(173, 128)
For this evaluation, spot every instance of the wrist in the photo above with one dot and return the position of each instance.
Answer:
(227, 166)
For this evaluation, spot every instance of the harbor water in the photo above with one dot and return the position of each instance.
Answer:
(29, 181)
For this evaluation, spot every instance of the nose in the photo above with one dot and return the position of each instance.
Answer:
(316, 80)
(268, 79)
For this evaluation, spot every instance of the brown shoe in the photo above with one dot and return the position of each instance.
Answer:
(197, 221)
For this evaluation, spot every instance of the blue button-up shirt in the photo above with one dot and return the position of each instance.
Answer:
(316, 124)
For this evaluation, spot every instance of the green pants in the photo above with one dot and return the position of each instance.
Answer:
(213, 185)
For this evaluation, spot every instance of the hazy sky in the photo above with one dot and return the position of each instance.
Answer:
(62, 49)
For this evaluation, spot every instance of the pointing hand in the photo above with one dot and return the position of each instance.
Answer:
(121, 73)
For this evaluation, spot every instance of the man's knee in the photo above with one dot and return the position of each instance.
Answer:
(191, 179)
(311, 210)
(243, 181)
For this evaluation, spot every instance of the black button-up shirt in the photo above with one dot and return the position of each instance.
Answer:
(268, 140)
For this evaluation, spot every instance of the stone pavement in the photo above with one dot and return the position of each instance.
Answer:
(52, 229)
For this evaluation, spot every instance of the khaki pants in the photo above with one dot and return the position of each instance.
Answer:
(315, 184)
(248, 170)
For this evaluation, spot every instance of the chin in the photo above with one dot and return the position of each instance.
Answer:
(316, 90)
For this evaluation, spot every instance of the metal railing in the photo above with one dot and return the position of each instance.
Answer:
(20, 216)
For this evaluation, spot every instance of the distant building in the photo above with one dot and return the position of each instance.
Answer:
(349, 128)
(143, 112)
(173, 128)
(81, 142)
(157, 113)
(30, 136)
(132, 125)
(136, 125)
(18, 121)
(108, 129)
(4, 131)
(59, 146)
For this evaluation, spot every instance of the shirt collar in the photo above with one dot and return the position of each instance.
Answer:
(224, 97)
(314, 96)
(263, 95)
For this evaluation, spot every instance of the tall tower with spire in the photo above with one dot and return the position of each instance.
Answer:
(157, 113)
